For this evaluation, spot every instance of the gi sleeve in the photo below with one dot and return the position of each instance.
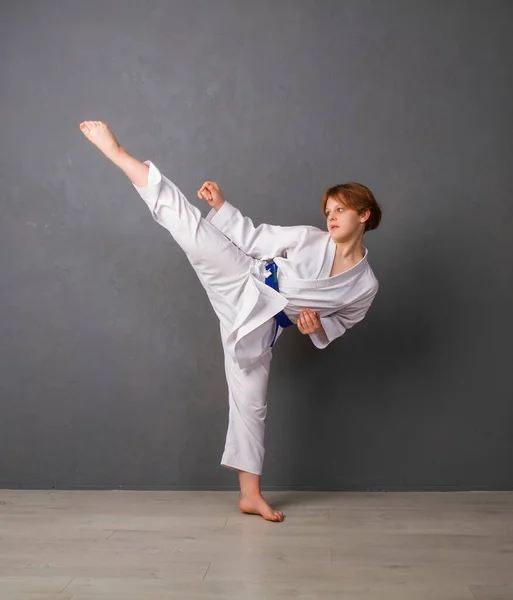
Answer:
(264, 241)
(339, 322)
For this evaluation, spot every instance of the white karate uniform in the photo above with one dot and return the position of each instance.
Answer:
(229, 256)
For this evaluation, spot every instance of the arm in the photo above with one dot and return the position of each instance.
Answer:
(264, 241)
(336, 324)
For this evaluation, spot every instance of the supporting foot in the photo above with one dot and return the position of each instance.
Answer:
(255, 504)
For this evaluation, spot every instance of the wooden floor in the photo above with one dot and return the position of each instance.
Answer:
(56, 545)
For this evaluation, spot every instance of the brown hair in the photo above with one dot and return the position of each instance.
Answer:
(356, 196)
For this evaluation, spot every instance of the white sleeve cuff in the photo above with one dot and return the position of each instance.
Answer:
(220, 218)
(332, 330)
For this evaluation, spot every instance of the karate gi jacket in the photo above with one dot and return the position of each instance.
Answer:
(304, 255)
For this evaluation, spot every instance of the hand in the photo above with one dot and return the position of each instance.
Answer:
(308, 321)
(212, 194)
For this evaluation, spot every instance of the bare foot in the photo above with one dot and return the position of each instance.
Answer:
(101, 136)
(256, 505)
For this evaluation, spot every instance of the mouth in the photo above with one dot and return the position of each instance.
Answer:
(333, 227)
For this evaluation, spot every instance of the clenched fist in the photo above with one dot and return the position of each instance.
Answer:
(212, 194)
(308, 321)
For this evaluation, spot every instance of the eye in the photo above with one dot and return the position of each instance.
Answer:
(339, 208)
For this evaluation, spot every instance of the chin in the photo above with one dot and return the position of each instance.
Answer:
(341, 236)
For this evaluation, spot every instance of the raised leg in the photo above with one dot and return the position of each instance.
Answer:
(223, 268)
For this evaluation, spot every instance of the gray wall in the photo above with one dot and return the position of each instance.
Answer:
(111, 362)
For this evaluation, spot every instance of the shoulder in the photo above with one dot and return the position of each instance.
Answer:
(371, 281)
(371, 286)
(365, 286)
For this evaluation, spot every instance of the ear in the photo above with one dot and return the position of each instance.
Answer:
(364, 216)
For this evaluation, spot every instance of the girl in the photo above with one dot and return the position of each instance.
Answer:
(260, 280)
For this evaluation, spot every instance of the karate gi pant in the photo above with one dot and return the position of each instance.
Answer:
(223, 270)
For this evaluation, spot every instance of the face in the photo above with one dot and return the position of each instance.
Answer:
(343, 223)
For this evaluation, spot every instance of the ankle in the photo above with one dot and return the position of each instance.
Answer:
(250, 493)
(249, 484)
(117, 154)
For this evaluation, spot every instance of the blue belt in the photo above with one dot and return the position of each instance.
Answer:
(281, 319)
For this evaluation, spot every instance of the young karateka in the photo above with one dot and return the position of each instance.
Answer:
(260, 280)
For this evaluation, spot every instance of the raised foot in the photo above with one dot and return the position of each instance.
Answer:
(99, 134)
(256, 505)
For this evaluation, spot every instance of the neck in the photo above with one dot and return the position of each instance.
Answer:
(350, 250)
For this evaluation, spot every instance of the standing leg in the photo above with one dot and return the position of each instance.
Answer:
(244, 449)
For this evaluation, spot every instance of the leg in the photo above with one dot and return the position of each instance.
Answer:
(244, 449)
(221, 266)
